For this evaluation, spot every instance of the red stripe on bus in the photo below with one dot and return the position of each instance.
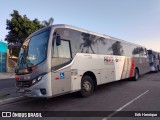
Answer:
(57, 78)
(132, 68)
(123, 68)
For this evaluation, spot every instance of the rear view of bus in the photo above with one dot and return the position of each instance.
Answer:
(154, 60)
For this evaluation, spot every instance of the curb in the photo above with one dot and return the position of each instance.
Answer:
(11, 100)
(7, 76)
(7, 79)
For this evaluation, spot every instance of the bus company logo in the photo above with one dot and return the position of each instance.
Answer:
(19, 114)
(6, 114)
(116, 60)
(108, 60)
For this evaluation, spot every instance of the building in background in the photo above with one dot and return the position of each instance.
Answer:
(7, 63)
(3, 56)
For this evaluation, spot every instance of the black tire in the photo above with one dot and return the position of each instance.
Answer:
(136, 75)
(158, 68)
(87, 86)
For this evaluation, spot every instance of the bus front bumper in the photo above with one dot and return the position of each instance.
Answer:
(40, 89)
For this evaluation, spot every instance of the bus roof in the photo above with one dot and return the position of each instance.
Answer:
(153, 51)
(93, 33)
(81, 30)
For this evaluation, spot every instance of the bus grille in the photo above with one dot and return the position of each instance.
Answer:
(23, 83)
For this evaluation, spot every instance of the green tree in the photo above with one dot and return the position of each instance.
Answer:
(20, 27)
(48, 23)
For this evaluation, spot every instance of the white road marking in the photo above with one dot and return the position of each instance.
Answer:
(121, 108)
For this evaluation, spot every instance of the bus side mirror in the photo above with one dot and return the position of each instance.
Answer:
(58, 40)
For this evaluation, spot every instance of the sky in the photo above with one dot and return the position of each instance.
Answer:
(136, 21)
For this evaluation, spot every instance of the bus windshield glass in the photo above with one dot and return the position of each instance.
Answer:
(33, 50)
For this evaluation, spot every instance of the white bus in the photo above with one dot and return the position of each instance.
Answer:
(154, 60)
(62, 59)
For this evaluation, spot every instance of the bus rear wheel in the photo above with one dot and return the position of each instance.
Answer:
(158, 68)
(136, 75)
(87, 86)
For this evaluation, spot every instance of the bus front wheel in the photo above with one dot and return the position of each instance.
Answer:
(87, 86)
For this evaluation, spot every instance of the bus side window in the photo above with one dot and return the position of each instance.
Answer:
(63, 50)
(61, 54)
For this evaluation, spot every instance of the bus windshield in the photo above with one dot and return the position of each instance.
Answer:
(33, 50)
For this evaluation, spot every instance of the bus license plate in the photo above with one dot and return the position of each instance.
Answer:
(21, 90)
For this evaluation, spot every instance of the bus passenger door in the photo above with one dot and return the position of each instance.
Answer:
(61, 81)
(61, 73)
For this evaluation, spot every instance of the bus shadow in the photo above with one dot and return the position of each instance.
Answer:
(42, 104)
(114, 84)
(75, 95)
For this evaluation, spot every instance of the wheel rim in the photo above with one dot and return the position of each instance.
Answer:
(136, 75)
(86, 86)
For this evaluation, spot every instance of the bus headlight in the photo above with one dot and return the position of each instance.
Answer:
(34, 81)
(38, 78)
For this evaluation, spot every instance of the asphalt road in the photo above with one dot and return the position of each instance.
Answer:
(7, 88)
(142, 95)
(7, 83)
